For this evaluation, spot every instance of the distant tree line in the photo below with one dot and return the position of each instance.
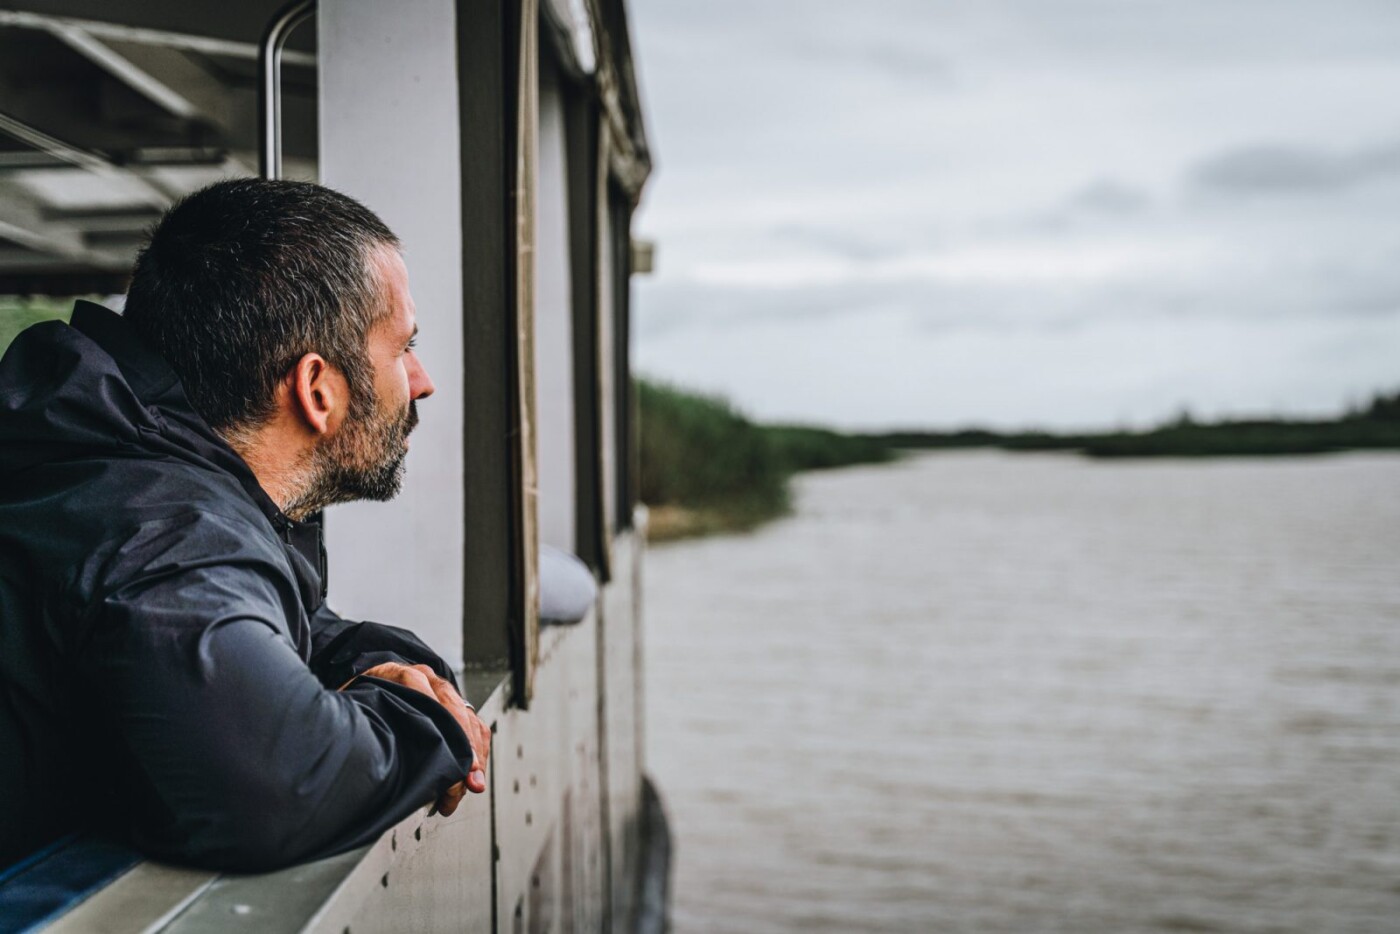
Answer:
(1375, 425)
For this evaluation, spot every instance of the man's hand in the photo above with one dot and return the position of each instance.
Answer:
(424, 680)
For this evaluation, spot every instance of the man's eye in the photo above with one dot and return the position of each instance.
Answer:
(412, 343)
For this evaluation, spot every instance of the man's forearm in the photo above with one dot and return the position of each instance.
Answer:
(342, 649)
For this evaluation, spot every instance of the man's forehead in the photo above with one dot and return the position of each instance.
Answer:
(399, 324)
(393, 278)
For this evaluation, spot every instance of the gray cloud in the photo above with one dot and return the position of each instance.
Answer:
(1358, 288)
(848, 244)
(1109, 196)
(681, 306)
(1278, 168)
(908, 62)
(1104, 199)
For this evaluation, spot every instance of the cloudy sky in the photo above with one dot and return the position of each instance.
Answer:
(1022, 212)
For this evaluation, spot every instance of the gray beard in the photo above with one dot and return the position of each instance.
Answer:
(364, 463)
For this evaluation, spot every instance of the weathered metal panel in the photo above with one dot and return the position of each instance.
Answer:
(437, 877)
(620, 722)
(548, 820)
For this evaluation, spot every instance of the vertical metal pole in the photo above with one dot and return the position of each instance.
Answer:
(270, 89)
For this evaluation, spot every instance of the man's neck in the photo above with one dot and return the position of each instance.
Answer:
(281, 470)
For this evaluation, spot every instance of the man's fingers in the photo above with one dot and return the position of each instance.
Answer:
(480, 736)
(423, 679)
(477, 732)
(445, 693)
(451, 798)
(409, 677)
(485, 731)
(476, 780)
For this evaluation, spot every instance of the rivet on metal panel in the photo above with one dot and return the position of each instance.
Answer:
(529, 818)
(515, 786)
(385, 881)
(519, 752)
(241, 909)
(532, 781)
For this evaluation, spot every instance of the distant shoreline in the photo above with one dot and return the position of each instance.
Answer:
(706, 469)
(1376, 426)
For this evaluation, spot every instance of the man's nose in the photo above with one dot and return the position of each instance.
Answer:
(420, 384)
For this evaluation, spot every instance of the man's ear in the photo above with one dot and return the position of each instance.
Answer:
(320, 395)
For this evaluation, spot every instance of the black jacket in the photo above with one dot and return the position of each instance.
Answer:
(168, 667)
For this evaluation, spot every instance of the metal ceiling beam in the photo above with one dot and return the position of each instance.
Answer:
(126, 220)
(22, 221)
(155, 193)
(121, 68)
(162, 74)
(205, 95)
(153, 37)
(23, 160)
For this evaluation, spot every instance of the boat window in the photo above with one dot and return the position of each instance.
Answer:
(623, 401)
(555, 422)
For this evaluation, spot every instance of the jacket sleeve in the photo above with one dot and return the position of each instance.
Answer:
(342, 648)
(238, 757)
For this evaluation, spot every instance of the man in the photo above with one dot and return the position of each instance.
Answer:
(169, 672)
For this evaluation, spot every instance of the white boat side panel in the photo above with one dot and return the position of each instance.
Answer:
(554, 335)
(389, 137)
(433, 876)
(548, 793)
(621, 720)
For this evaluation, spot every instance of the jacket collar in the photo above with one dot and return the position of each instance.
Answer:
(156, 384)
(144, 370)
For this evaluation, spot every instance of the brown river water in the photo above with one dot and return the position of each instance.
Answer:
(990, 692)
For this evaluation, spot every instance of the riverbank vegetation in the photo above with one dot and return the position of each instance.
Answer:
(706, 468)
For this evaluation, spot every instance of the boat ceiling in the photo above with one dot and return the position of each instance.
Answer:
(109, 112)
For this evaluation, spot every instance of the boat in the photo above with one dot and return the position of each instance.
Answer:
(504, 142)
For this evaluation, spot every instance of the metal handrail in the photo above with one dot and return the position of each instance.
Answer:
(270, 90)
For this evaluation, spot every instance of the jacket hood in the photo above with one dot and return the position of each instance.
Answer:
(94, 389)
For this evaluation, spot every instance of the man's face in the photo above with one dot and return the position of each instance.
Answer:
(365, 458)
